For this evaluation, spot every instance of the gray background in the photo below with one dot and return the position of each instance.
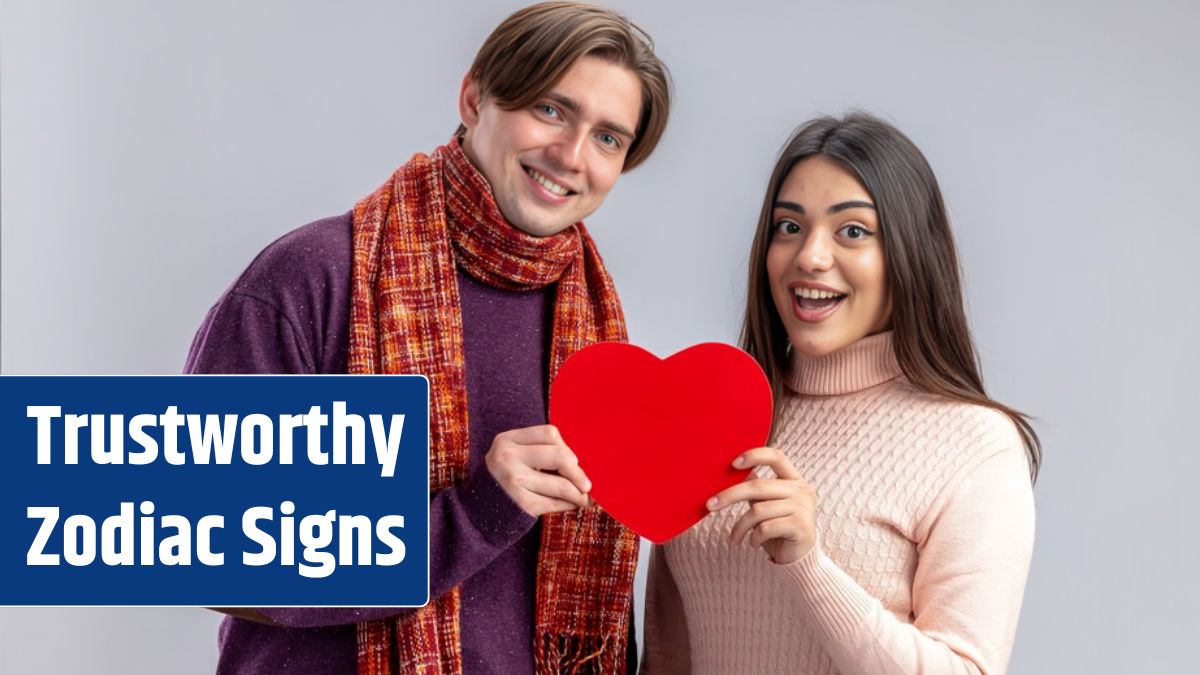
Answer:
(151, 148)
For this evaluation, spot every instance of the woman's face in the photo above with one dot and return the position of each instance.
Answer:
(825, 263)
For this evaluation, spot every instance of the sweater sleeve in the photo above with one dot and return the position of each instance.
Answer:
(974, 548)
(666, 631)
(469, 525)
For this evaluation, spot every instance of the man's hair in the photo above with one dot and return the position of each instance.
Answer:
(531, 50)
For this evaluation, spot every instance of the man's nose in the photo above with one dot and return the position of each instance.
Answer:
(568, 150)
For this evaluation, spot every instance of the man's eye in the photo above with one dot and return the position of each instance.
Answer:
(546, 109)
(610, 140)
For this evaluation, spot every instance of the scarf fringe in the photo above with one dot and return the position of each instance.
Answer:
(577, 655)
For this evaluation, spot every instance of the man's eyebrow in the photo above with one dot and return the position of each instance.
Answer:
(566, 102)
(573, 105)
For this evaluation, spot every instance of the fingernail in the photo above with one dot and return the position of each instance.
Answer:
(712, 503)
(739, 461)
(587, 486)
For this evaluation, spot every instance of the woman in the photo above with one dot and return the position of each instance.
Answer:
(889, 529)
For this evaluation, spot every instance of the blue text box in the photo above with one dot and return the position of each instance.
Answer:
(263, 501)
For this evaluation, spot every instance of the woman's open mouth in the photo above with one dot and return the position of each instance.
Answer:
(812, 304)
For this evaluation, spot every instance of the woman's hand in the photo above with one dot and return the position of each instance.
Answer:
(782, 513)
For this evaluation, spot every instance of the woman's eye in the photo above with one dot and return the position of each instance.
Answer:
(787, 227)
(856, 232)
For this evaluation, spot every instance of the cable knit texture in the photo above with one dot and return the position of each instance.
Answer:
(925, 527)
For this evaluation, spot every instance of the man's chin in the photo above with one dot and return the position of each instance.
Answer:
(540, 228)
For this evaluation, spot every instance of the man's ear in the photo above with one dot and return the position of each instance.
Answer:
(468, 101)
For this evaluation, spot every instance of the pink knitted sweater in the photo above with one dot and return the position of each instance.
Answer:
(925, 526)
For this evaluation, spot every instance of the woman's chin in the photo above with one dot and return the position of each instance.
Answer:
(815, 344)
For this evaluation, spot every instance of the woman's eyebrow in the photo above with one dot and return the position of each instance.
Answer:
(837, 208)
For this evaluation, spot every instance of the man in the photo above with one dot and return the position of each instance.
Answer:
(472, 266)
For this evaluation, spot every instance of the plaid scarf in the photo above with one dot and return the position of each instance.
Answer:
(437, 212)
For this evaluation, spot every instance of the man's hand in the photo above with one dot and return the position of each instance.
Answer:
(538, 471)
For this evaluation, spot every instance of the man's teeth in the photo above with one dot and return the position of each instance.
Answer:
(815, 294)
(549, 184)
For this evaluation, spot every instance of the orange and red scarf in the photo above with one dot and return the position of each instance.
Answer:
(434, 214)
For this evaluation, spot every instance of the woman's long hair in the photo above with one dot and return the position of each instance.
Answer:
(930, 336)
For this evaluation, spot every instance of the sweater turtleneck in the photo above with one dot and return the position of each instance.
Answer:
(867, 363)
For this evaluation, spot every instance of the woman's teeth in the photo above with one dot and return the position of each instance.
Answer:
(816, 294)
(814, 299)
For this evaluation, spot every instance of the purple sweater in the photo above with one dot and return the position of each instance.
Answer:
(289, 312)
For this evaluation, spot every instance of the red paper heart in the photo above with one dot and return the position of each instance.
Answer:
(657, 436)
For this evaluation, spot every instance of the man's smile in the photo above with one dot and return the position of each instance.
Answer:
(547, 182)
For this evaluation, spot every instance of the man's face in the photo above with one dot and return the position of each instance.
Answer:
(552, 163)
